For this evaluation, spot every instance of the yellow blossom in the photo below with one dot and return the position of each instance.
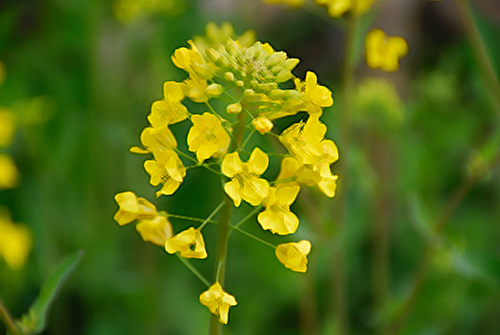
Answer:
(294, 255)
(133, 208)
(153, 139)
(245, 182)
(207, 137)
(166, 169)
(384, 52)
(218, 301)
(16, 242)
(170, 110)
(191, 61)
(316, 96)
(262, 124)
(277, 216)
(9, 175)
(198, 90)
(336, 8)
(189, 243)
(156, 231)
(7, 127)
(303, 140)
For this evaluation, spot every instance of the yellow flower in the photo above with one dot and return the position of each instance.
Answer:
(303, 140)
(16, 242)
(9, 175)
(294, 255)
(384, 52)
(189, 243)
(315, 96)
(207, 137)
(133, 208)
(166, 169)
(198, 90)
(245, 182)
(218, 301)
(153, 139)
(7, 127)
(170, 110)
(362, 6)
(156, 231)
(336, 8)
(191, 61)
(262, 124)
(277, 216)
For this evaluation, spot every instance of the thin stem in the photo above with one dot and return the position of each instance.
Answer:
(483, 61)
(212, 110)
(246, 218)
(7, 318)
(198, 163)
(189, 218)
(193, 270)
(253, 237)
(214, 212)
(340, 299)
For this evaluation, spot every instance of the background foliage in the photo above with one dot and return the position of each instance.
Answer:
(81, 82)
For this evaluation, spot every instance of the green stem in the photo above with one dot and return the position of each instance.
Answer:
(340, 319)
(209, 218)
(7, 318)
(483, 61)
(193, 270)
(189, 218)
(253, 237)
(223, 228)
(249, 215)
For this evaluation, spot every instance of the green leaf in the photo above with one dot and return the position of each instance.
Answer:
(34, 321)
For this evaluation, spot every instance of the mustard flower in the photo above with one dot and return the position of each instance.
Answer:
(198, 90)
(277, 217)
(133, 208)
(316, 96)
(170, 110)
(166, 169)
(157, 230)
(245, 182)
(160, 139)
(218, 301)
(16, 242)
(384, 52)
(189, 243)
(9, 175)
(336, 8)
(304, 140)
(294, 255)
(262, 124)
(7, 127)
(207, 137)
(192, 61)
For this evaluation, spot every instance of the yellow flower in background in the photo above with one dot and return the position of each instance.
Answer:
(160, 139)
(133, 208)
(277, 217)
(294, 255)
(336, 8)
(156, 231)
(166, 169)
(207, 137)
(316, 96)
(189, 243)
(218, 301)
(245, 182)
(16, 241)
(170, 110)
(9, 174)
(7, 126)
(384, 51)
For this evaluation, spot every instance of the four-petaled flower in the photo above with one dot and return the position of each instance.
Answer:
(245, 182)
(170, 110)
(207, 137)
(133, 208)
(294, 255)
(384, 52)
(166, 169)
(218, 301)
(277, 216)
(316, 97)
(189, 243)
(156, 231)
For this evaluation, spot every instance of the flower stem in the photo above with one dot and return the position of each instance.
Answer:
(253, 237)
(193, 270)
(7, 318)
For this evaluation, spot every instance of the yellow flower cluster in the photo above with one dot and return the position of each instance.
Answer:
(245, 77)
(384, 51)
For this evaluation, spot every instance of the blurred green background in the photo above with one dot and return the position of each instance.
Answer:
(81, 77)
